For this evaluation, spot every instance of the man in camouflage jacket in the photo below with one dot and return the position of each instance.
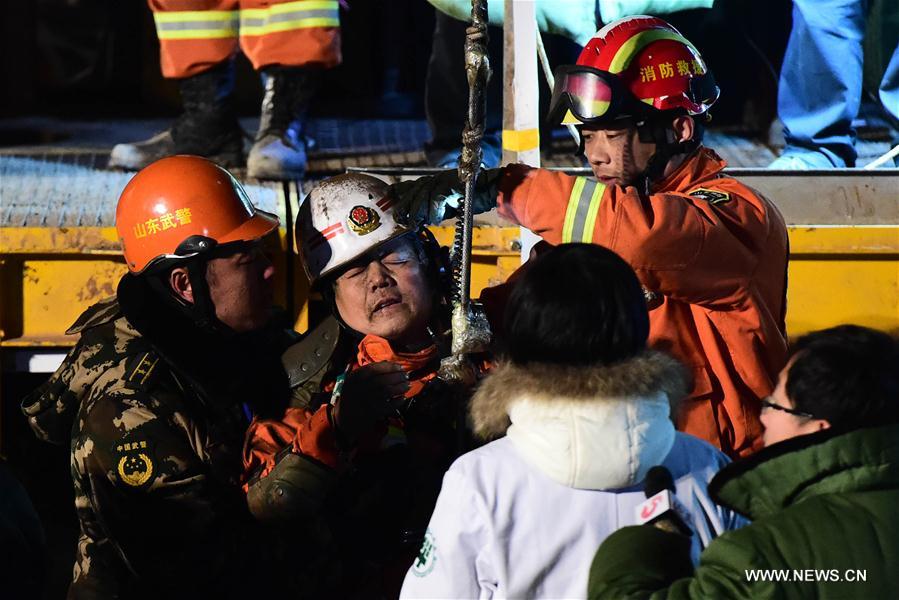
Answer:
(153, 396)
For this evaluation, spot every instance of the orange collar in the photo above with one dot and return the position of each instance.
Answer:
(374, 349)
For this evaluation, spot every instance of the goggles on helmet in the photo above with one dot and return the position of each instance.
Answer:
(583, 94)
(587, 95)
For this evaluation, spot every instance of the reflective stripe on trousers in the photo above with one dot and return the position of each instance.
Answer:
(194, 35)
(200, 24)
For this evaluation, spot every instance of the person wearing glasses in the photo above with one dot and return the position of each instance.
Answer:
(821, 495)
(782, 420)
(710, 252)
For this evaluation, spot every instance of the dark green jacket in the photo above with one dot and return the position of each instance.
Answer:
(825, 509)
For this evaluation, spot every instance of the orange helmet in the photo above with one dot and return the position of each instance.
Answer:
(633, 67)
(183, 206)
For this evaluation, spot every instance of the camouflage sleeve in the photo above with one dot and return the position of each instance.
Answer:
(51, 408)
(290, 460)
(145, 491)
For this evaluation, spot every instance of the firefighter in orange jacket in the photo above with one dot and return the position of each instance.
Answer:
(710, 252)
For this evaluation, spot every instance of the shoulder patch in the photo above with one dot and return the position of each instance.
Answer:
(134, 461)
(713, 197)
(140, 370)
(427, 556)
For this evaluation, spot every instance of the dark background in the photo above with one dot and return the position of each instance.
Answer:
(90, 59)
(98, 59)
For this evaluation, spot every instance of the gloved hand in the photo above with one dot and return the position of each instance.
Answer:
(369, 395)
(432, 199)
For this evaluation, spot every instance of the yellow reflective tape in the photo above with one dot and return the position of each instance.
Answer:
(197, 34)
(520, 140)
(208, 16)
(571, 210)
(570, 119)
(595, 201)
(583, 207)
(288, 26)
(261, 13)
(638, 42)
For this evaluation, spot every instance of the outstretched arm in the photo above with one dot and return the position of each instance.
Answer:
(432, 199)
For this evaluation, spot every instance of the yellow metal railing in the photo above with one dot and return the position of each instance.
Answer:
(838, 274)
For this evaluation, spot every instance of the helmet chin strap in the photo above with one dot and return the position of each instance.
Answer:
(659, 132)
(202, 310)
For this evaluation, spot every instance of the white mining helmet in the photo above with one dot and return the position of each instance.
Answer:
(341, 219)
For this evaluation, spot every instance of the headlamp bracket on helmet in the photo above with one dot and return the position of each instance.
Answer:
(190, 247)
(194, 246)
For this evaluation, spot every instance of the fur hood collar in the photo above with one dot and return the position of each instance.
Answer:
(647, 374)
(599, 427)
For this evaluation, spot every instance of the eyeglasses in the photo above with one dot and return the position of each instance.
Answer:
(766, 403)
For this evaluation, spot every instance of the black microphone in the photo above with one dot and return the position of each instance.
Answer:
(661, 508)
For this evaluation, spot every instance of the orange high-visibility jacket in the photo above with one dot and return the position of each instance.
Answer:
(195, 35)
(711, 254)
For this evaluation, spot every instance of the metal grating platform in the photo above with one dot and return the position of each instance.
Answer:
(359, 136)
(68, 191)
(56, 176)
(341, 143)
(49, 193)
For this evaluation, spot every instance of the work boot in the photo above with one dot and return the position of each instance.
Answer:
(207, 127)
(279, 151)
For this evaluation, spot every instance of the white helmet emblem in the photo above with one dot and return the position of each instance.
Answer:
(363, 219)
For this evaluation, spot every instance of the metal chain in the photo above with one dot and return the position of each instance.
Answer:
(470, 330)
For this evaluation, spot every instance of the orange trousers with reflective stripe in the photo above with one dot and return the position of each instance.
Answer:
(195, 35)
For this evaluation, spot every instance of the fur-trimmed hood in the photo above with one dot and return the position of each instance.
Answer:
(599, 427)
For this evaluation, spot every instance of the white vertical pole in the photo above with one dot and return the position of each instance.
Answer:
(521, 99)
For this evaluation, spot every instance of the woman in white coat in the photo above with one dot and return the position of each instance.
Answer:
(585, 409)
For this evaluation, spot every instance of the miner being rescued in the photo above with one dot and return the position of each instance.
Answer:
(353, 466)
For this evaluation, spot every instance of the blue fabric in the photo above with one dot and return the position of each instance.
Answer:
(889, 86)
(821, 81)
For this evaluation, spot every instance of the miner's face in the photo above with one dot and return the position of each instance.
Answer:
(387, 295)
